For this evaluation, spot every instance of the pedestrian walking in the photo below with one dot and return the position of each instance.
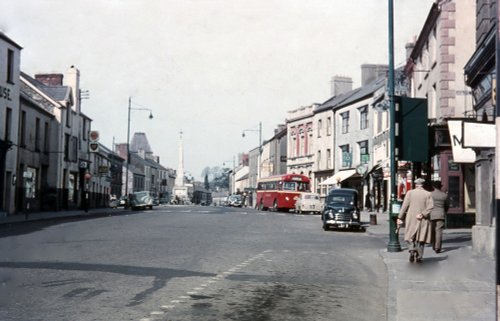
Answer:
(415, 212)
(441, 206)
(368, 202)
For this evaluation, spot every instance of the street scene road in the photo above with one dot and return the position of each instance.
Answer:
(190, 263)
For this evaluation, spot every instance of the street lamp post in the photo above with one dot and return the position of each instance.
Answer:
(393, 245)
(128, 138)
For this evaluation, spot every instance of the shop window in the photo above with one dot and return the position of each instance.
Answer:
(454, 191)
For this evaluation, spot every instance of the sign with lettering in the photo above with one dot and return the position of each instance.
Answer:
(460, 154)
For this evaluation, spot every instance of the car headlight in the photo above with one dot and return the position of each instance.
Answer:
(355, 215)
(287, 198)
(330, 214)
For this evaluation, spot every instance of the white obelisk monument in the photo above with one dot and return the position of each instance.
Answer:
(180, 190)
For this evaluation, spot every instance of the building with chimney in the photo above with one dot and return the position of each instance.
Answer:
(435, 67)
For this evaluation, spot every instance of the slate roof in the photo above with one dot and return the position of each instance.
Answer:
(352, 96)
(32, 96)
(58, 93)
(364, 91)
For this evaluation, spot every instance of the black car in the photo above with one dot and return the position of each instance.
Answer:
(341, 210)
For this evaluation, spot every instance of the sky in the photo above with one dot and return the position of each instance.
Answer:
(208, 68)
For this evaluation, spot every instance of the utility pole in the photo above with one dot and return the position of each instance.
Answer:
(497, 158)
(393, 245)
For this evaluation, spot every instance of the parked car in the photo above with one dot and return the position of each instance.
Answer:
(235, 200)
(141, 200)
(123, 202)
(308, 203)
(113, 203)
(341, 210)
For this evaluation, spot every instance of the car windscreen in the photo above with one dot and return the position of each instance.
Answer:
(141, 196)
(340, 200)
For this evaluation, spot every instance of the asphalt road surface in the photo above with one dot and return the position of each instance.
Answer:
(190, 263)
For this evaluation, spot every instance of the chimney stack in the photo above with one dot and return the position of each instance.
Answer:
(50, 79)
(73, 81)
(340, 85)
(370, 72)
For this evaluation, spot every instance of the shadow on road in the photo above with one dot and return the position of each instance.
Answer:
(27, 227)
(161, 275)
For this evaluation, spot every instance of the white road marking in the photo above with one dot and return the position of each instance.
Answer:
(157, 313)
(203, 285)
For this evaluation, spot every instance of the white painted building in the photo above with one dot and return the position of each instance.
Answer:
(10, 57)
(300, 141)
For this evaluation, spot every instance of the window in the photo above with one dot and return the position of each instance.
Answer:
(84, 130)
(10, 66)
(364, 156)
(37, 134)
(68, 115)
(302, 144)
(289, 186)
(8, 124)
(293, 145)
(363, 117)
(329, 126)
(345, 122)
(74, 149)
(320, 127)
(319, 159)
(346, 155)
(66, 147)
(46, 138)
(23, 128)
(454, 191)
(309, 141)
(328, 157)
(379, 122)
(433, 48)
(30, 183)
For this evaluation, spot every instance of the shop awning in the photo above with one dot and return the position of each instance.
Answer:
(338, 177)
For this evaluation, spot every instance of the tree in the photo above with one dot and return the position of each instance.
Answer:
(207, 185)
(216, 177)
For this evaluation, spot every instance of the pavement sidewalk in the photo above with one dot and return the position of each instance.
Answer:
(37, 216)
(456, 284)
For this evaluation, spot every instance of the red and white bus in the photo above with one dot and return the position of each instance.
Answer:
(280, 192)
